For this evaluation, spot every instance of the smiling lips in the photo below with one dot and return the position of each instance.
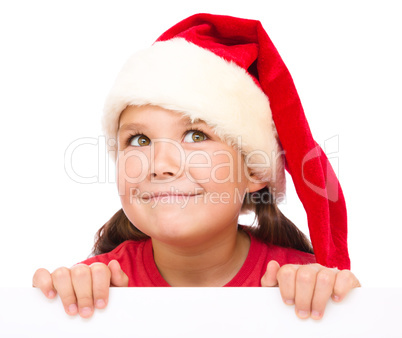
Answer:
(168, 194)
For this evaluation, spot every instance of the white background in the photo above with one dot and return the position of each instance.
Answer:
(58, 60)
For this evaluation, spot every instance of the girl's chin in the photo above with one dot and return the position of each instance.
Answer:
(174, 229)
(177, 237)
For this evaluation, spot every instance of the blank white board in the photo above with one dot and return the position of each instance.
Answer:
(201, 312)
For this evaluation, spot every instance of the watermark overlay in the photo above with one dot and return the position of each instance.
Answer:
(200, 196)
(328, 187)
(185, 163)
(165, 160)
(105, 166)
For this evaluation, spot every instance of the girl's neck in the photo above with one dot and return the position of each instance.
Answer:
(214, 264)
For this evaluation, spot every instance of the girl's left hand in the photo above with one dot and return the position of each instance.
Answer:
(309, 287)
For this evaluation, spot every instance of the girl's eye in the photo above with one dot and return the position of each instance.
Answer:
(194, 136)
(140, 141)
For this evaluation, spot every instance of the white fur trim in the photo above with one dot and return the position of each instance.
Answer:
(181, 76)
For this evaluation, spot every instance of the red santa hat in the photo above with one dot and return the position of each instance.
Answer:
(227, 72)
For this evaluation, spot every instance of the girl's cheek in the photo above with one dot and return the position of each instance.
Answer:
(198, 174)
(224, 169)
(198, 166)
(132, 169)
(205, 167)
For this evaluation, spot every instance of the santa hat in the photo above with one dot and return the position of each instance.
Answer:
(227, 72)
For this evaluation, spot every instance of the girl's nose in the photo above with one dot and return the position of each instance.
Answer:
(167, 159)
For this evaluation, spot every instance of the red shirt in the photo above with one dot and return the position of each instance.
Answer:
(137, 261)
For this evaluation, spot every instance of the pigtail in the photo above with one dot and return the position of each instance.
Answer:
(114, 232)
(273, 226)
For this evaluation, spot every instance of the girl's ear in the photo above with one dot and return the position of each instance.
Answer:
(255, 184)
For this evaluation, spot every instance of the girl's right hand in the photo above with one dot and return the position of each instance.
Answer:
(81, 288)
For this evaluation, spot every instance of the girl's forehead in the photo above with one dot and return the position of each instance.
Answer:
(150, 114)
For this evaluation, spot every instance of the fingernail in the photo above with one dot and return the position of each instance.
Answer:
(100, 304)
(51, 294)
(289, 301)
(85, 311)
(336, 298)
(303, 314)
(72, 309)
(316, 315)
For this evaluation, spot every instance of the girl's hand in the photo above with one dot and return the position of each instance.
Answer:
(309, 287)
(81, 288)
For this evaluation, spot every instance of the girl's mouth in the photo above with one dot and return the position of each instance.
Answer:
(167, 195)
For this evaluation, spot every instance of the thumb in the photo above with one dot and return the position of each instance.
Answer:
(118, 277)
(269, 279)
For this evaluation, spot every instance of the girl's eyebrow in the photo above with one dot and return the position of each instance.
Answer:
(131, 126)
(190, 123)
(135, 126)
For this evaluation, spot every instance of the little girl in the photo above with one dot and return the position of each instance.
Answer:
(202, 125)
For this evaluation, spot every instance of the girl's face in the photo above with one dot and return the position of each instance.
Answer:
(178, 182)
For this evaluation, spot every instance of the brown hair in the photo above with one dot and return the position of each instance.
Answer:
(273, 227)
